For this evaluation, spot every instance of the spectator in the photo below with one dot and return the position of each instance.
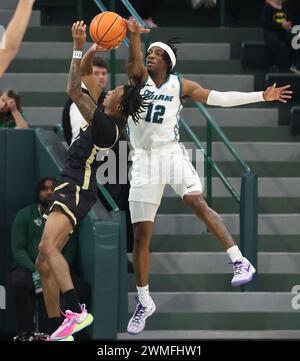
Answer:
(11, 111)
(72, 118)
(278, 22)
(25, 281)
(146, 10)
(9, 45)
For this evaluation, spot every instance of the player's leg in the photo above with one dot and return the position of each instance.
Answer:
(51, 292)
(142, 216)
(55, 235)
(190, 189)
(243, 269)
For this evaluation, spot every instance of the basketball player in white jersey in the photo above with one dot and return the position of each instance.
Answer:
(157, 133)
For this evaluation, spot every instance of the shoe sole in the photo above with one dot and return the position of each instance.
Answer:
(137, 333)
(88, 321)
(240, 283)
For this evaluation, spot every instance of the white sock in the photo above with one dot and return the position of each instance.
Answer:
(234, 253)
(144, 295)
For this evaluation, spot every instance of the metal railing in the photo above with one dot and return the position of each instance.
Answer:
(247, 199)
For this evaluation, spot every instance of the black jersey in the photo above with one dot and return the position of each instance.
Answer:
(81, 165)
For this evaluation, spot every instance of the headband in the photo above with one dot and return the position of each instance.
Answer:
(167, 49)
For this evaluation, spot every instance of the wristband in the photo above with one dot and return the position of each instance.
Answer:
(77, 54)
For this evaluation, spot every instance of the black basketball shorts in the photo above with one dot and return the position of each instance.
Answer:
(71, 200)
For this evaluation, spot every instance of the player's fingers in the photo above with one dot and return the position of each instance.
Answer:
(274, 85)
(286, 96)
(282, 100)
(285, 87)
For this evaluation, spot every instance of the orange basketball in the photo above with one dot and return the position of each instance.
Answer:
(108, 29)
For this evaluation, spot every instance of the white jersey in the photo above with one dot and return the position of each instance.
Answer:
(159, 123)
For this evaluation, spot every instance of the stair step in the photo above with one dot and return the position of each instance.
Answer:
(31, 62)
(211, 335)
(214, 282)
(252, 151)
(216, 262)
(215, 302)
(250, 134)
(225, 117)
(40, 82)
(234, 117)
(208, 243)
(189, 224)
(267, 188)
(186, 34)
(229, 205)
(8, 4)
(188, 51)
(223, 321)
(7, 14)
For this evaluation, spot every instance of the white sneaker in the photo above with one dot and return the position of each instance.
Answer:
(243, 272)
(295, 68)
(137, 322)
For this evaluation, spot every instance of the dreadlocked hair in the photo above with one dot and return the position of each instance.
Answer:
(132, 102)
(171, 43)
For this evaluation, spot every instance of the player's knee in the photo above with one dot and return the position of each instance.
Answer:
(197, 203)
(41, 265)
(141, 239)
(46, 247)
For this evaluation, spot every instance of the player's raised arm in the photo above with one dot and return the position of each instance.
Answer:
(193, 91)
(135, 67)
(14, 33)
(83, 101)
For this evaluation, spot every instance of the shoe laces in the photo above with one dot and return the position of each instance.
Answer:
(238, 267)
(69, 315)
(139, 312)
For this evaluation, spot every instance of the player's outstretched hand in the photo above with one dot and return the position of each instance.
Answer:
(283, 94)
(79, 34)
(134, 27)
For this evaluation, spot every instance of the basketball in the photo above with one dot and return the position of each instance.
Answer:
(108, 29)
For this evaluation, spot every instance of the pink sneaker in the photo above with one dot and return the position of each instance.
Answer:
(150, 23)
(73, 322)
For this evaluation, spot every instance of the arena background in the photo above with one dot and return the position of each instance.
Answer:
(222, 48)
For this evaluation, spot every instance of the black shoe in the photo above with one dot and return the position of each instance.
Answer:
(295, 68)
(24, 336)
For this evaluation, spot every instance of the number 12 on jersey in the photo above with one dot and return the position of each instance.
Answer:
(155, 114)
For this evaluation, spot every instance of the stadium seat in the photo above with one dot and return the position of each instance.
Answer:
(254, 55)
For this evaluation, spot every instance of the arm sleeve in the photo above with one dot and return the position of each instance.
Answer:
(231, 99)
(18, 241)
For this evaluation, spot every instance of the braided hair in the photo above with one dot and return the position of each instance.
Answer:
(132, 102)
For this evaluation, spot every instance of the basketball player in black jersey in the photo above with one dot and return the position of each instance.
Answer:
(75, 191)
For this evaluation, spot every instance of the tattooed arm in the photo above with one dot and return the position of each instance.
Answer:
(83, 101)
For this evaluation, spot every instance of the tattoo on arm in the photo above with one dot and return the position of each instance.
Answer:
(84, 102)
(86, 107)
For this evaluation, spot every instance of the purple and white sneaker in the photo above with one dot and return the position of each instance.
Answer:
(243, 272)
(137, 322)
